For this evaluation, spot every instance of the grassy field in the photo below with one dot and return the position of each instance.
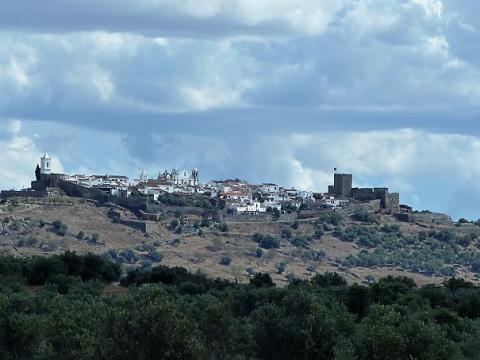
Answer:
(30, 229)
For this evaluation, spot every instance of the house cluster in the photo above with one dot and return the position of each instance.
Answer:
(237, 196)
(173, 181)
(241, 197)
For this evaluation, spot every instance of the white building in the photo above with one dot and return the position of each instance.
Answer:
(183, 177)
(251, 208)
(269, 188)
(45, 164)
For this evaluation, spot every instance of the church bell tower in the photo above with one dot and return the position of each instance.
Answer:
(45, 164)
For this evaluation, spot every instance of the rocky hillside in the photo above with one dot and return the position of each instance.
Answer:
(362, 247)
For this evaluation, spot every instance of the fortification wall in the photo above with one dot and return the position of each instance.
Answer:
(133, 204)
(370, 206)
(363, 194)
(392, 201)
(425, 217)
(7, 194)
(183, 210)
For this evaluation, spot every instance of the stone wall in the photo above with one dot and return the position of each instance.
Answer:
(6, 194)
(183, 210)
(425, 217)
(134, 204)
(392, 201)
(370, 206)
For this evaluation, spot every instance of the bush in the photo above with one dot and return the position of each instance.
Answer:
(174, 223)
(81, 235)
(155, 256)
(301, 241)
(59, 228)
(225, 260)
(281, 267)
(319, 233)
(95, 238)
(333, 218)
(328, 279)
(205, 222)
(266, 241)
(262, 280)
(365, 217)
(259, 253)
(286, 234)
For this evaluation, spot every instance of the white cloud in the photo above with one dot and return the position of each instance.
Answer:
(432, 8)
(19, 157)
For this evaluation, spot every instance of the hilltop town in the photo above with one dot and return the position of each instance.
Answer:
(233, 229)
(236, 199)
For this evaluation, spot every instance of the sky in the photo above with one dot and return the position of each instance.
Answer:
(264, 90)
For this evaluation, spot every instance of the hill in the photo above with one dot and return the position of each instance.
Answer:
(361, 247)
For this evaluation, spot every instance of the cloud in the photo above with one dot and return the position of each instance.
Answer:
(209, 18)
(19, 156)
(268, 90)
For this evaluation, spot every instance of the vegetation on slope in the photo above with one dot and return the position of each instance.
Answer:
(169, 313)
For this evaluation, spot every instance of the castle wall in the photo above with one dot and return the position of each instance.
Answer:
(392, 201)
(6, 194)
(425, 217)
(133, 204)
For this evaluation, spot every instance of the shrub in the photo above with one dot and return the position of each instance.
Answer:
(95, 238)
(319, 233)
(155, 256)
(205, 222)
(286, 234)
(365, 217)
(80, 235)
(266, 241)
(281, 267)
(223, 227)
(301, 241)
(328, 279)
(174, 223)
(59, 228)
(262, 280)
(259, 253)
(225, 260)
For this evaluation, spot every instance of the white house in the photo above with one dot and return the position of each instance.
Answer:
(242, 208)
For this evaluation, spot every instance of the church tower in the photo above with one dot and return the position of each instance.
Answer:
(45, 164)
(195, 176)
(143, 177)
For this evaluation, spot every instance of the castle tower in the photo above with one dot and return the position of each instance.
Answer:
(45, 164)
(342, 184)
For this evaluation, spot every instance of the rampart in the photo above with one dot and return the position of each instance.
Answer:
(425, 217)
(134, 204)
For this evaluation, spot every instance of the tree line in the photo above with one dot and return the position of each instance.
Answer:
(170, 313)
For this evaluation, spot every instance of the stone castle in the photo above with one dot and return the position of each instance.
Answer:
(343, 187)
